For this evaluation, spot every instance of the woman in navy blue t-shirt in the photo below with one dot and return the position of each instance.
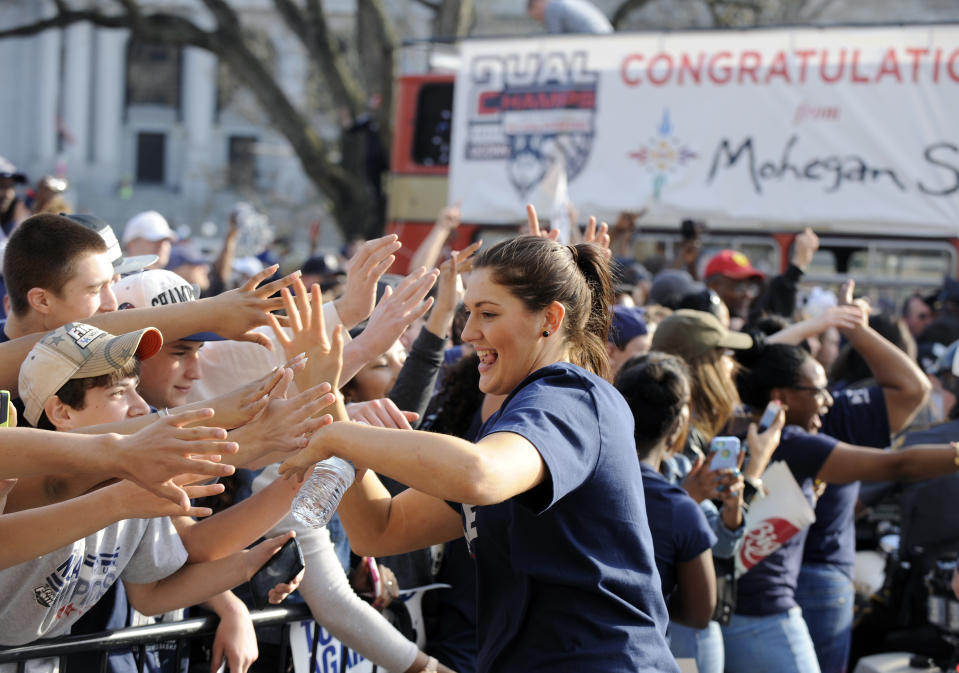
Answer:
(553, 499)
(768, 633)
(656, 388)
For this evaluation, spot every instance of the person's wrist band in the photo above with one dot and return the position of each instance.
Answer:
(432, 665)
(955, 447)
(751, 486)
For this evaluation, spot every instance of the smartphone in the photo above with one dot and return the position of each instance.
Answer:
(769, 415)
(282, 567)
(4, 408)
(727, 452)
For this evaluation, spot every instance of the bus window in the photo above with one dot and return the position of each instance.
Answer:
(885, 271)
(434, 118)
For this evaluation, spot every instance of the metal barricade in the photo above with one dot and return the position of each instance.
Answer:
(139, 637)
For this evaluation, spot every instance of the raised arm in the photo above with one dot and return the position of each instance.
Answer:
(904, 386)
(416, 381)
(840, 317)
(429, 251)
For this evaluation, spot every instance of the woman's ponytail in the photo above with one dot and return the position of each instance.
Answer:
(588, 347)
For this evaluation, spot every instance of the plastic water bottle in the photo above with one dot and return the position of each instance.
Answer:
(320, 495)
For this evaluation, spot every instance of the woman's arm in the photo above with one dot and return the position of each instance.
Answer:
(694, 599)
(500, 466)
(379, 525)
(847, 463)
(840, 317)
(904, 386)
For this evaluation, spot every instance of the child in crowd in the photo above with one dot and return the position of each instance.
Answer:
(79, 375)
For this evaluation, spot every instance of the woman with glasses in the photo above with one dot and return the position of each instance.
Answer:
(767, 632)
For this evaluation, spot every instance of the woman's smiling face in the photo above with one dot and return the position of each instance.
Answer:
(508, 337)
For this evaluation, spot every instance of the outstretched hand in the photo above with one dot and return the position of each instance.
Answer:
(364, 270)
(300, 464)
(152, 457)
(139, 503)
(449, 289)
(396, 311)
(381, 413)
(846, 299)
(241, 405)
(285, 424)
(304, 320)
(239, 311)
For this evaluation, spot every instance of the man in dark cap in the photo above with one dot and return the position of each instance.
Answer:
(945, 328)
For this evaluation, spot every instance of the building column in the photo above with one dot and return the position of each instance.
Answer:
(43, 117)
(75, 102)
(109, 82)
(199, 105)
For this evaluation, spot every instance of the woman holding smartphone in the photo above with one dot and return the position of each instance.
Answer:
(768, 632)
(556, 519)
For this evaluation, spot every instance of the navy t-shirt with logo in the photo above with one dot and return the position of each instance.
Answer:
(566, 579)
(858, 416)
(679, 527)
(769, 587)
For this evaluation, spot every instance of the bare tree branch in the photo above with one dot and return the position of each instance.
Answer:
(625, 9)
(63, 19)
(310, 26)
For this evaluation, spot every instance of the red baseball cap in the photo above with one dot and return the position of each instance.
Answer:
(732, 264)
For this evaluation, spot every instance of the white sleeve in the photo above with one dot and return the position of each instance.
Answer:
(333, 602)
(331, 318)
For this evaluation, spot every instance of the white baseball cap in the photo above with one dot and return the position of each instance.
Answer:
(149, 225)
(78, 351)
(158, 287)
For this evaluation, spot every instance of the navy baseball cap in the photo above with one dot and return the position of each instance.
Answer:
(627, 324)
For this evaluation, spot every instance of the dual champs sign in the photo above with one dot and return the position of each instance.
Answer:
(839, 127)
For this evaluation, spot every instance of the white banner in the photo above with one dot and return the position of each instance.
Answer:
(835, 126)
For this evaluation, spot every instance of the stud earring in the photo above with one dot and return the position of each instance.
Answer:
(545, 332)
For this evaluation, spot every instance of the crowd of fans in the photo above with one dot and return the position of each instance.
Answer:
(532, 423)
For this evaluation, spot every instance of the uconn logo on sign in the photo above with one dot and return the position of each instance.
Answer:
(532, 109)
